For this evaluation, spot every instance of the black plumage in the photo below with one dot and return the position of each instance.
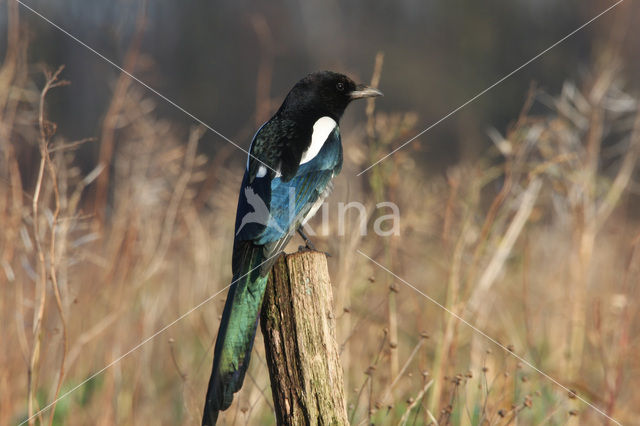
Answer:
(293, 158)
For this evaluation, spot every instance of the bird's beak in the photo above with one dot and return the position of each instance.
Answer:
(363, 91)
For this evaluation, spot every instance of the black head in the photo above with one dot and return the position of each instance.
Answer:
(324, 93)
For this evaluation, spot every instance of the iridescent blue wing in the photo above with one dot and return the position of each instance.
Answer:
(270, 208)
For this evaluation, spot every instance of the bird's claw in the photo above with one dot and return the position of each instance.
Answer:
(308, 244)
(310, 247)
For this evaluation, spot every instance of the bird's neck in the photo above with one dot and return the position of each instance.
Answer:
(307, 118)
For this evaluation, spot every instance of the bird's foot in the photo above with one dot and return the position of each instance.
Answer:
(308, 244)
(312, 248)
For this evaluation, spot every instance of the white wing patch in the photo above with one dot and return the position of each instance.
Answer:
(321, 131)
(322, 128)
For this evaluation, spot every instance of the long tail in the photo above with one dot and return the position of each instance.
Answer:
(237, 330)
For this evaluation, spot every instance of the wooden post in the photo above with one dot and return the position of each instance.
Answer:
(298, 326)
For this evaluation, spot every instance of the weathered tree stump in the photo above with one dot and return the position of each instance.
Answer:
(298, 326)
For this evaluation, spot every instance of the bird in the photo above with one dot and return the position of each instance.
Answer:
(292, 160)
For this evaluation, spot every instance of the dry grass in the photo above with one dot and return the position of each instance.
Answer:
(536, 243)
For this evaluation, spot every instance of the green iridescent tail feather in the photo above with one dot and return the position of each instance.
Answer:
(237, 329)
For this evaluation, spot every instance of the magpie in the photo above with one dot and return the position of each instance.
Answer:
(292, 159)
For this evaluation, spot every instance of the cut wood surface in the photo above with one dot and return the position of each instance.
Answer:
(298, 326)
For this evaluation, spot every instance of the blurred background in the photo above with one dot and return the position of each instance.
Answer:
(519, 212)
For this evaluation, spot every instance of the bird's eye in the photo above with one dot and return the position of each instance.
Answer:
(340, 86)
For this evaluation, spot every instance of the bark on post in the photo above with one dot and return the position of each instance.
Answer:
(298, 326)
